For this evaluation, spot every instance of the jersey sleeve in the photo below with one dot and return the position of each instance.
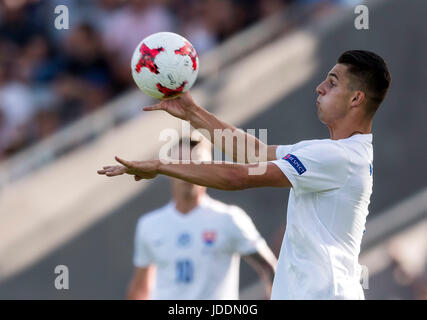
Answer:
(245, 236)
(142, 256)
(316, 167)
(282, 151)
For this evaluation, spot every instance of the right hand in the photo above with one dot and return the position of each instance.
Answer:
(179, 107)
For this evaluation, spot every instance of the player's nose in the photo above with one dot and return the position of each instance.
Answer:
(320, 90)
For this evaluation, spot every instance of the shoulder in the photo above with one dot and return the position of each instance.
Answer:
(324, 150)
(311, 146)
(359, 147)
(306, 143)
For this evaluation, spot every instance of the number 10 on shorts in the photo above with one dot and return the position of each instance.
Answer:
(184, 271)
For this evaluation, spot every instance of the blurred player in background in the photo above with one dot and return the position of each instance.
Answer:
(331, 179)
(191, 247)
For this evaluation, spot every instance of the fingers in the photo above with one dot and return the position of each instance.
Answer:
(128, 167)
(105, 169)
(187, 95)
(111, 171)
(153, 108)
(116, 171)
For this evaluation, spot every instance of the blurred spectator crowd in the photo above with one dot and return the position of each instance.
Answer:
(50, 77)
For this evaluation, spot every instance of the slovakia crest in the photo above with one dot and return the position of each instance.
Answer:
(209, 237)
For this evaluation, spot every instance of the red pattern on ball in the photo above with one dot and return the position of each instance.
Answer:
(169, 93)
(147, 58)
(188, 50)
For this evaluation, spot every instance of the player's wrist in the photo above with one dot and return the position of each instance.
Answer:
(193, 112)
(197, 117)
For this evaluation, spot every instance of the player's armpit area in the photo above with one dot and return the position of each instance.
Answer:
(272, 176)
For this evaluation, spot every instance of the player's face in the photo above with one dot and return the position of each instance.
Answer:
(335, 97)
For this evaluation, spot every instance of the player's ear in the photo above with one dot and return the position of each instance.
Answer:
(358, 98)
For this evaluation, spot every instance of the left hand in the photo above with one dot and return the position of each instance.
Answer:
(140, 169)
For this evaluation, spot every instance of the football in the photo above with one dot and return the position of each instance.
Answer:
(164, 65)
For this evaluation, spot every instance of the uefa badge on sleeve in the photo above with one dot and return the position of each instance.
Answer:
(295, 163)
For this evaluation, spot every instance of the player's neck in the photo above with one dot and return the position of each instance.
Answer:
(186, 204)
(345, 129)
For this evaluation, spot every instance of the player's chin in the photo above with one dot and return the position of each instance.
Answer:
(320, 116)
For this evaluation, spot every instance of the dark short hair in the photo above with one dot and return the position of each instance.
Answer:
(188, 141)
(368, 73)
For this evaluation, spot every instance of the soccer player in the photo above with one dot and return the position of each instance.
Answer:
(191, 247)
(330, 179)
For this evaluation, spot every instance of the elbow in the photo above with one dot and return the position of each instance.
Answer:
(270, 274)
(267, 275)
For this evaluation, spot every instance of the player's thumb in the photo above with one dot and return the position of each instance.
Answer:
(123, 162)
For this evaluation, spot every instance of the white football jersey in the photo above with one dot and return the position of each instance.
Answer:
(327, 209)
(197, 254)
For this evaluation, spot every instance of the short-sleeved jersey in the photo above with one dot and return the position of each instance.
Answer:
(327, 209)
(197, 254)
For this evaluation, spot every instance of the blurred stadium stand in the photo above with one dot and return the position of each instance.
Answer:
(56, 210)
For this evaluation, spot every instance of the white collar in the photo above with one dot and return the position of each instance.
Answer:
(367, 137)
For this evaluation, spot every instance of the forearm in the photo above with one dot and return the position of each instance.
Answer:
(141, 283)
(235, 143)
(223, 176)
(138, 292)
(226, 175)
(138, 295)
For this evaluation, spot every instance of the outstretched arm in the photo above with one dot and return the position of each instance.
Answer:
(224, 176)
(185, 108)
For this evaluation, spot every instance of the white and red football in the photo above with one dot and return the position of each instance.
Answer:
(164, 65)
